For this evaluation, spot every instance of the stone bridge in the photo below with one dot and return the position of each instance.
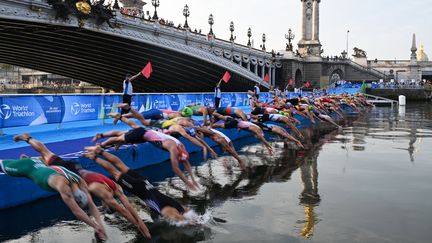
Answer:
(31, 36)
(183, 61)
(322, 72)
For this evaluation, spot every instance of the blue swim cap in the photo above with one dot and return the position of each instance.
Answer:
(191, 131)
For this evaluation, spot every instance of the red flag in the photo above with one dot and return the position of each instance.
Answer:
(147, 70)
(307, 84)
(226, 77)
(290, 82)
(266, 77)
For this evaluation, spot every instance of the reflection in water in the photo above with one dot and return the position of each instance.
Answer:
(220, 182)
(309, 197)
(395, 125)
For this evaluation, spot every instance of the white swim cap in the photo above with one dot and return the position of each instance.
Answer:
(81, 198)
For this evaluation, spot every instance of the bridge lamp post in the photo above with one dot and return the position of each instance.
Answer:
(231, 28)
(155, 4)
(290, 36)
(263, 40)
(347, 39)
(186, 13)
(249, 34)
(116, 5)
(211, 22)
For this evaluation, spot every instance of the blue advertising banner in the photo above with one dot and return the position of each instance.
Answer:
(3, 112)
(208, 99)
(226, 100)
(35, 110)
(52, 107)
(174, 102)
(22, 111)
(187, 99)
(241, 100)
(80, 108)
(110, 104)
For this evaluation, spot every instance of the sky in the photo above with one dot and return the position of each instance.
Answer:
(383, 28)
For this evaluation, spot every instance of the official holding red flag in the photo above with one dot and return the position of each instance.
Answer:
(128, 90)
(218, 93)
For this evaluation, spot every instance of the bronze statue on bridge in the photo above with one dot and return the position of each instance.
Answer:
(359, 52)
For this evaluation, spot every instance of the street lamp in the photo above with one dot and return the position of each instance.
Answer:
(347, 43)
(211, 22)
(116, 5)
(263, 40)
(232, 30)
(249, 34)
(186, 13)
(155, 4)
(290, 36)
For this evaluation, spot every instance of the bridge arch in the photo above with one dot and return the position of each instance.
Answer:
(183, 61)
(336, 75)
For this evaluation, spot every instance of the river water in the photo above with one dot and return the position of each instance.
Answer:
(370, 182)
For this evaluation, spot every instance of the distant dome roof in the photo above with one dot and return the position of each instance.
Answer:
(421, 55)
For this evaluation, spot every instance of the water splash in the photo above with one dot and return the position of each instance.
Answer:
(193, 218)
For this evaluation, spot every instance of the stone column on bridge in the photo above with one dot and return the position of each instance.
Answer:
(263, 71)
(309, 45)
(256, 69)
(315, 34)
(413, 49)
(248, 66)
(303, 19)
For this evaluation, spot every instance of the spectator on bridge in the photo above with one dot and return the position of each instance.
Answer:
(128, 90)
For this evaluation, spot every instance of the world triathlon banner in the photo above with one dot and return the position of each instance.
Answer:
(29, 110)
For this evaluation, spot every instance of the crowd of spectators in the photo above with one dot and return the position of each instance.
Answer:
(137, 13)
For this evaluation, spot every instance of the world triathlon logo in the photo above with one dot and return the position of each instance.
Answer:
(75, 108)
(5, 112)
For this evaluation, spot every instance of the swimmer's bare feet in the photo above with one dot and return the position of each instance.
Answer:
(95, 149)
(90, 155)
(116, 117)
(97, 137)
(22, 137)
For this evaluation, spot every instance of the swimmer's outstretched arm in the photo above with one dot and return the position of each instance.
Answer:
(65, 191)
(138, 221)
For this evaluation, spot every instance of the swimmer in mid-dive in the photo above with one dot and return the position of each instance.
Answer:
(232, 111)
(280, 131)
(197, 110)
(152, 114)
(71, 188)
(159, 204)
(278, 118)
(98, 185)
(230, 122)
(218, 137)
(172, 129)
(140, 134)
